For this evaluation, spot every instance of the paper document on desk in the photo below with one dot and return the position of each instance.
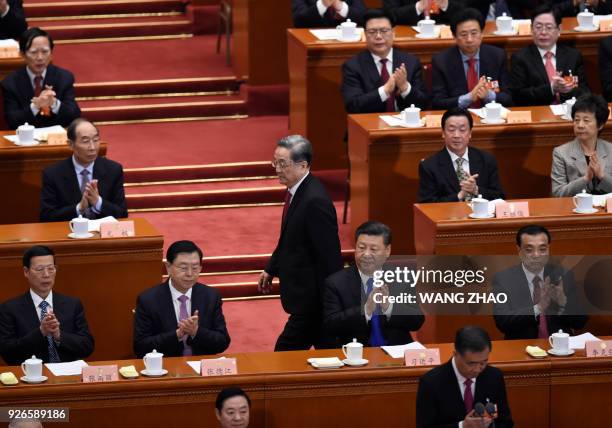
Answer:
(579, 342)
(600, 200)
(94, 225)
(334, 34)
(558, 109)
(73, 368)
(397, 351)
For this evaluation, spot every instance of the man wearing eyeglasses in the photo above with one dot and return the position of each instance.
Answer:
(39, 93)
(180, 317)
(545, 72)
(42, 322)
(382, 79)
(308, 249)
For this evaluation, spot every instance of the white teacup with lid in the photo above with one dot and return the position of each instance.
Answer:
(568, 105)
(493, 111)
(32, 368)
(583, 201)
(353, 351)
(412, 115)
(25, 135)
(480, 207)
(504, 23)
(347, 30)
(153, 362)
(427, 27)
(559, 342)
(79, 226)
(586, 19)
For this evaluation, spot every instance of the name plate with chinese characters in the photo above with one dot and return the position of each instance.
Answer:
(219, 367)
(524, 29)
(609, 205)
(122, 229)
(445, 32)
(433, 120)
(519, 117)
(512, 209)
(598, 349)
(93, 374)
(422, 357)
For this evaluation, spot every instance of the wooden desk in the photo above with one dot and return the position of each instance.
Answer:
(8, 65)
(286, 392)
(385, 160)
(316, 107)
(106, 274)
(21, 176)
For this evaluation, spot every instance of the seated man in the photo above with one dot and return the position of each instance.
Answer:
(325, 13)
(409, 12)
(42, 322)
(382, 78)
(447, 393)
(605, 67)
(541, 295)
(538, 70)
(39, 93)
(483, 66)
(84, 184)
(457, 173)
(232, 408)
(350, 309)
(180, 316)
(12, 22)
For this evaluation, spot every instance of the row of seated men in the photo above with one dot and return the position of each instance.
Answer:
(469, 74)
(329, 13)
(12, 19)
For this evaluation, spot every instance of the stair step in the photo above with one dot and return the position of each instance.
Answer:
(199, 185)
(160, 86)
(197, 172)
(41, 8)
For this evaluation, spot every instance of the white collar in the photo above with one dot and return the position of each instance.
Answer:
(454, 157)
(378, 58)
(553, 50)
(37, 299)
(78, 167)
(175, 293)
(459, 376)
(531, 275)
(294, 188)
(32, 75)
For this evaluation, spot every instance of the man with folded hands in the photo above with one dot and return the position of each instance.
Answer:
(42, 322)
(325, 13)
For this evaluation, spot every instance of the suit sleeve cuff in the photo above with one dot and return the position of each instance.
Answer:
(8, 7)
(465, 101)
(98, 206)
(344, 10)
(35, 110)
(383, 95)
(321, 8)
(491, 96)
(407, 91)
(418, 10)
(56, 106)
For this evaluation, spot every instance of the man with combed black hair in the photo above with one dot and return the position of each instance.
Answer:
(325, 13)
(180, 317)
(39, 93)
(232, 408)
(541, 295)
(308, 248)
(42, 322)
(349, 303)
(447, 393)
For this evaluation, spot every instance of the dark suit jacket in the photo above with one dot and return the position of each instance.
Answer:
(405, 11)
(61, 193)
(13, 24)
(516, 318)
(438, 180)
(308, 249)
(306, 14)
(529, 84)
(155, 322)
(605, 67)
(439, 402)
(344, 319)
(20, 335)
(361, 80)
(449, 81)
(18, 91)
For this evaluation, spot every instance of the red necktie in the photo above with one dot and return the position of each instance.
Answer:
(537, 293)
(551, 72)
(472, 79)
(332, 13)
(286, 206)
(468, 398)
(384, 76)
(45, 111)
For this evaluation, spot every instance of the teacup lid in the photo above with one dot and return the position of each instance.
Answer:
(571, 100)
(155, 353)
(412, 108)
(585, 12)
(349, 23)
(353, 344)
(479, 199)
(492, 104)
(583, 193)
(504, 17)
(26, 126)
(33, 360)
(560, 333)
(80, 218)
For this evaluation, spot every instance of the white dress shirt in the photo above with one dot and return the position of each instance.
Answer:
(294, 188)
(322, 9)
(461, 379)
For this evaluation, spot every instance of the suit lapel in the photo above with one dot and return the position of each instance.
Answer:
(99, 172)
(457, 64)
(70, 179)
(30, 311)
(25, 86)
(356, 293)
(371, 71)
(168, 314)
(578, 158)
(197, 300)
(476, 164)
(50, 76)
(448, 169)
(537, 62)
(295, 201)
(523, 297)
(453, 387)
(561, 60)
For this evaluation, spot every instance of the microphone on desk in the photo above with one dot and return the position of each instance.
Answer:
(479, 410)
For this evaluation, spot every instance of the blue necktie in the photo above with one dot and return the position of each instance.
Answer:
(376, 336)
(53, 355)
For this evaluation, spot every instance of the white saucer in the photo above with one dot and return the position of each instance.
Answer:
(73, 236)
(505, 33)
(34, 379)
(493, 121)
(561, 354)
(424, 36)
(353, 40)
(412, 125)
(35, 143)
(591, 211)
(564, 117)
(585, 29)
(145, 372)
(357, 363)
(472, 215)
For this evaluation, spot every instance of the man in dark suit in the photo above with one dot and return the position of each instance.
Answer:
(40, 93)
(409, 12)
(325, 13)
(180, 316)
(484, 78)
(382, 78)
(541, 296)
(308, 249)
(12, 22)
(538, 71)
(84, 184)
(42, 322)
(448, 393)
(349, 301)
(605, 67)
(457, 173)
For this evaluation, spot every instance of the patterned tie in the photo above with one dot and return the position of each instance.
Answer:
(376, 336)
(384, 77)
(472, 79)
(183, 314)
(53, 355)
(551, 72)
(537, 293)
(286, 206)
(462, 176)
(468, 398)
(88, 213)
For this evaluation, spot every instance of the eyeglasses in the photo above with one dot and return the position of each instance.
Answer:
(549, 28)
(187, 268)
(281, 163)
(373, 32)
(39, 270)
(43, 52)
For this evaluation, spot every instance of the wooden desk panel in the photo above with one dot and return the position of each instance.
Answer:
(287, 392)
(106, 274)
(315, 75)
(8, 65)
(21, 176)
